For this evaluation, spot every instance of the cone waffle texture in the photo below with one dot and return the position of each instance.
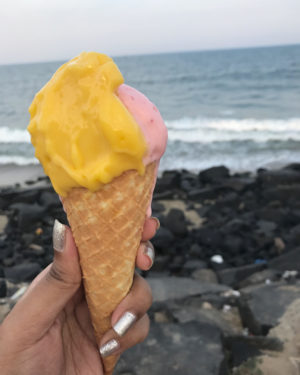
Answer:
(107, 227)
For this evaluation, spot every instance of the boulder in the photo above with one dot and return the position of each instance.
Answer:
(175, 222)
(214, 174)
(23, 272)
(263, 305)
(173, 288)
(288, 261)
(28, 214)
(233, 276)
(175, 349)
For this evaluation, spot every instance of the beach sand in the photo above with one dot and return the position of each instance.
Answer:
(12, 174)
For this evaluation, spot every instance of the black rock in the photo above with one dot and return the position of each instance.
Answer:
(175, 222)
(288, 261)
(211, 237)
(2, 272)
(263, 305)
(196, 251)
(163, 239)
(203, 194)
(50, 200)
(28, 214)
(22, 272)
(243, 347)
(233, 244)
(161, 263)
(192, 265)
(233, 276)
(278, 177)
(259, 278)
(174, 288)
(214, 174)
(3, 288)
(175, 349)
(157, 207)
(168, 181)
(284, 194)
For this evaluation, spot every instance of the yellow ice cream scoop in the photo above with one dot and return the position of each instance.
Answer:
(82, 133)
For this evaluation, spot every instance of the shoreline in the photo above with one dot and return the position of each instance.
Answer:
(12, 175)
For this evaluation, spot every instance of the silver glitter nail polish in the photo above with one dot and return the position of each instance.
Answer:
(58, 236)
(124, 323)
(109, 348)
(150, 253)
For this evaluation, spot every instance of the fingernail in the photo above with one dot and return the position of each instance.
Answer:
(157, 222)
(58, 236)
(124, 323)
(109, 348)
(150, 254)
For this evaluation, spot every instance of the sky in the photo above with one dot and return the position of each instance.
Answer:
(38, 30)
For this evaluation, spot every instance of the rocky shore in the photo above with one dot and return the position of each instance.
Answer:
(225, 281)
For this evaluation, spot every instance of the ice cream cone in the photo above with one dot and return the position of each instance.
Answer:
(107, 226)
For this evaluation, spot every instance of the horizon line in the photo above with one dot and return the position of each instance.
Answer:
(162, 53)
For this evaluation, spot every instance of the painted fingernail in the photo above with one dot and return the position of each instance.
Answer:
(157, 222)
(109, 348)
(58, 236)
(124, 323)
(150, 254)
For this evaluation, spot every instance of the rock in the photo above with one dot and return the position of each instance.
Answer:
(168, 181)
(214, 174)
(163, 239)
(279, 244)
(37, 249)
(259, 278)
(285, 361)
(284, 194)
(3, 223)
(244, 347)
(49, 200)
(287, 261)
(233, 276)
(192, 265)
(278, 177)
(196, 251)
(203, 194)
(157, 207)
(294, 235)
(160, 264)
(23, 272)
(176, 349)
(169, 288)
(266, 227)
(175, 222)
(240, 184)
(3, 288)
(228, 322)
(28, 214)
(205, 275)
(263, 305)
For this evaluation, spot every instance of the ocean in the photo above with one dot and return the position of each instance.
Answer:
(239, 108)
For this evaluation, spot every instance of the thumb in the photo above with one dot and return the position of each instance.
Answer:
(52, 289)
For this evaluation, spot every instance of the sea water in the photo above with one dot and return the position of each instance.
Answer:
(239, 108)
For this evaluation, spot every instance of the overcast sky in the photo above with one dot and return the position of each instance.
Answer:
(39, 30)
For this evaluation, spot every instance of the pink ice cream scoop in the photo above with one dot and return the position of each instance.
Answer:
(149, 119)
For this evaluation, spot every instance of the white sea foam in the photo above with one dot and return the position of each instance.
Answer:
(8, 135)
(19, 160)
(204, 130)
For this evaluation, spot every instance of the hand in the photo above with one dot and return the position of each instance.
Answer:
(49, 330)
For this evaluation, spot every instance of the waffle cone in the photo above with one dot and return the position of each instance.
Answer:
(107, 227)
